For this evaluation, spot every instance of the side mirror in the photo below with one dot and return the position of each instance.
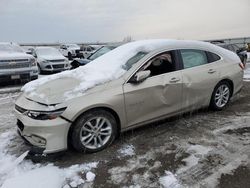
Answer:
(140, 76)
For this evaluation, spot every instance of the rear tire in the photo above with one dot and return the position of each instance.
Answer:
(221, 96)
(93, 131)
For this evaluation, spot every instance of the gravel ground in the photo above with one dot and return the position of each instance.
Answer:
(200, 149)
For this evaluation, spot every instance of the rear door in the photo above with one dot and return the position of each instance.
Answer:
(200, 75)
(158, 95)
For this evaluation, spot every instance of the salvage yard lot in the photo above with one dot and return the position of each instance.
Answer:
(201, 149)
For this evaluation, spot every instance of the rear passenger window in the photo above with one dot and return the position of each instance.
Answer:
(193, 58)
(212, 57)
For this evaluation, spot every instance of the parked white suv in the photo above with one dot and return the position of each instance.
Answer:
(69, 50)
(49, 59)
(15, 64)
(86, 51)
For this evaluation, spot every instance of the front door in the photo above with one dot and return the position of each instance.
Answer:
(158, 95)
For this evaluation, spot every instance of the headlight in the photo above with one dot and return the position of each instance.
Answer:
(33, 62)
(45, 115)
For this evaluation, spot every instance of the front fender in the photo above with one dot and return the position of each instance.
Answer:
(112, 100)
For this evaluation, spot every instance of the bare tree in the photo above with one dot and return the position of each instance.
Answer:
(127, 39)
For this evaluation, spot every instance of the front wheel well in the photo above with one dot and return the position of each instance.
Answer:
(92, 109)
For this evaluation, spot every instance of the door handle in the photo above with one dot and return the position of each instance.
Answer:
(211, 71)
(174, 80)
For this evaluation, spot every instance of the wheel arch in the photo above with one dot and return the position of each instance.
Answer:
(110, 110)
(230, 82)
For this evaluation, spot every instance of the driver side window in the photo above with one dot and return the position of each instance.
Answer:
(160, 64)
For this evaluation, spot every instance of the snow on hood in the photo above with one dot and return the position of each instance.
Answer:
(103, 69)
(52, 57)
(13, 55)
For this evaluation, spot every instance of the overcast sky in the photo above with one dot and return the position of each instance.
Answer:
(112, 20)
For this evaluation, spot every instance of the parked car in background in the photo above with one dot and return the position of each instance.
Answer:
(28, 49)
(134, 84)
(69, 50)
(101, 51)
(15, 64)
(85, 51)
(241, 52)
(49, 59)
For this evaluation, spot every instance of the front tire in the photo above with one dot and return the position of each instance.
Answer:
(221, 96)
(94, 131)
(70, 56)
(39, 69)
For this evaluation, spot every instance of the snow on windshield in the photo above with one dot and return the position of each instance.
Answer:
(10, 48)
(47, 51)
(103, 69)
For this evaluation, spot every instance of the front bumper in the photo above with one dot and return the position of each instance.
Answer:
(13, 75)
(46, 136)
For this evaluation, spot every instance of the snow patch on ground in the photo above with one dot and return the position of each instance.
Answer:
(49, 177)
(196, 152)
(15, 172)
(140, 169)
(90, 176)
(212, 180)
(169, 180)
(127, 150)
(247, 74)
(248, 56)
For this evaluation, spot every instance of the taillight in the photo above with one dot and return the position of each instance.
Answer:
(242, 66)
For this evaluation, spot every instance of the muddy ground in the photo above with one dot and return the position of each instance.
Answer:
(202, 149)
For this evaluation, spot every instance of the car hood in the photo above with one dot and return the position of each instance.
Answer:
(53, 92)
(14, 55)
(51, 57)
(56, 91)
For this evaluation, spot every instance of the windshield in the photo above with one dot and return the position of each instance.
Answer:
(133, 60)
(10, 48)
(48, 51)
(100, 52)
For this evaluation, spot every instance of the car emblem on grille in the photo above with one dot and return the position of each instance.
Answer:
(12, 63)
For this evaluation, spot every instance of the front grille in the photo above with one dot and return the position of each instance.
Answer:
(56, 60)
(20, 109)
(13, 60)
(59, 66)
(5, 78)
(14, 65)
(20, 125)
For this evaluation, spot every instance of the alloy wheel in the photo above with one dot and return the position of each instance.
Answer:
(222, 95)
(96, 132)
